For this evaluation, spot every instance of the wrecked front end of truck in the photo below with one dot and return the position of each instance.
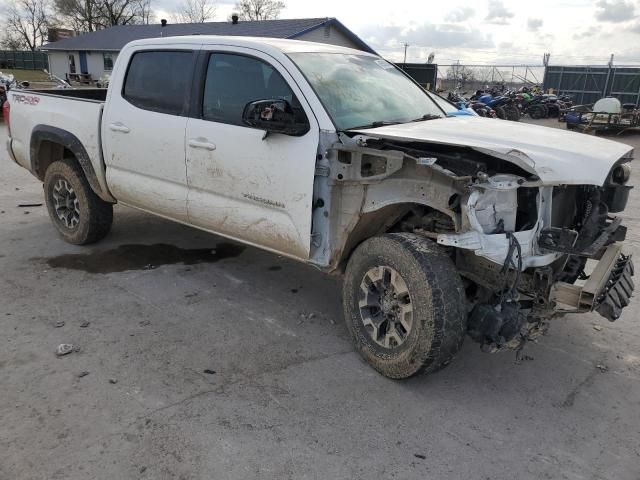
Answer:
(528, 249)
(536, 251)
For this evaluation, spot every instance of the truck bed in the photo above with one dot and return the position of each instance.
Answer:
(74, 113)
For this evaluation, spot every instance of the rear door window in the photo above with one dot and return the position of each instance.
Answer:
(159, 81)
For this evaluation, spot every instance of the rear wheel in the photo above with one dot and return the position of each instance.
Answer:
(404, 305)
(80, 216)
(536, 112)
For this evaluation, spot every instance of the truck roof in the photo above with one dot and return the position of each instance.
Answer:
(259, 43)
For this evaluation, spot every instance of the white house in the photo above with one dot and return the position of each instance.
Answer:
(95, 53)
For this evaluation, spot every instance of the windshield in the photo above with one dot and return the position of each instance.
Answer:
(364, 91)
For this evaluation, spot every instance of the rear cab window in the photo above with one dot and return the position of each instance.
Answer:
(159, 80)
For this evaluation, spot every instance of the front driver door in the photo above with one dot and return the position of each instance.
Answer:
(243, 184)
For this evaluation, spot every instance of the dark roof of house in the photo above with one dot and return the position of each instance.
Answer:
(114, 38)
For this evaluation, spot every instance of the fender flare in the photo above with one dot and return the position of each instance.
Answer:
(69, 141)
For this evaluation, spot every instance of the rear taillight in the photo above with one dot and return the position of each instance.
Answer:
(5, 114)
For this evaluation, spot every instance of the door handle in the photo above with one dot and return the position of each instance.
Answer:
(201, 143)
(118, 127)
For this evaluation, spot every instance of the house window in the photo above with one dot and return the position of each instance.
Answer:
(107, 58)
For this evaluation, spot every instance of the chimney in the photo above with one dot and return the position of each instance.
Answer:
(234, 18)
(163, 22)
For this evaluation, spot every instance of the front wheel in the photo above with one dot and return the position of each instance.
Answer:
(404, 305)
(80, 216)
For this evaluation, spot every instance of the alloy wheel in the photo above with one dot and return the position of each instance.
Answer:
(385, 306)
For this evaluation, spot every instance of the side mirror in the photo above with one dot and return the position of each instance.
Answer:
(275, 116)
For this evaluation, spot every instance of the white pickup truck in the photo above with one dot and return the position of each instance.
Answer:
(443, 226)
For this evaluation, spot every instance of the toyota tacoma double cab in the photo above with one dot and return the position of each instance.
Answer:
(443, 226)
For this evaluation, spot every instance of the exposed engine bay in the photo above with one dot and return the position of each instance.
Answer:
(522, 246)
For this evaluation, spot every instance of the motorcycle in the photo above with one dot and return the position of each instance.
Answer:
(503, 104)
(5, 81)
(60, 83)
(533, 105)
(8, 82)
(480, 108)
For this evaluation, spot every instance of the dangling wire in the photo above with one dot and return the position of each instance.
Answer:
(511, 288)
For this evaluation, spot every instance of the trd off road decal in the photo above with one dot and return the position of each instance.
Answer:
(26, 99)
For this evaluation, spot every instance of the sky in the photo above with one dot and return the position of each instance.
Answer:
(479, 31)
(502, 32)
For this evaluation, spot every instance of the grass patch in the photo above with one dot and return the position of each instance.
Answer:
(26, 75)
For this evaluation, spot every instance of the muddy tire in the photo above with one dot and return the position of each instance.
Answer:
(536, 112)
(79, 215)
(404, 305)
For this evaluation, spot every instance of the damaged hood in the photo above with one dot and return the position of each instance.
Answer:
(555, 156)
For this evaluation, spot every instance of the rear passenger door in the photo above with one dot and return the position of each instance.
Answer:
(143, 131)
(242, 183)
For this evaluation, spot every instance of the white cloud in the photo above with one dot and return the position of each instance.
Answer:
(589, 32)
(614, 10)
(498, 13)
(427, 35)
(534, 24)
(459, 14)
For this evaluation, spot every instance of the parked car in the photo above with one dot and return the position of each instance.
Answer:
(441, 225)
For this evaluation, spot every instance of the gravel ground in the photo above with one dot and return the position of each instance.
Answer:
(236, 365)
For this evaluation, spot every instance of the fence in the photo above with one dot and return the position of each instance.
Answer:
(589, 84)
(23, 60)
(470, 78)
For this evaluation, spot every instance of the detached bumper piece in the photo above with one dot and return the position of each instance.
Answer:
(607, 291)
(618, 290)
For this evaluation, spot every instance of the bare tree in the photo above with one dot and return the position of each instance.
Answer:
(461, 74)
(259, 9)
(27, 23)
(10, 41)
(118, 12)
(195, 11)
(80, 15)
(92, 15)
(145, 14)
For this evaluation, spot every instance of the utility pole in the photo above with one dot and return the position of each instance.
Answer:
(405, 52)
(611, 61)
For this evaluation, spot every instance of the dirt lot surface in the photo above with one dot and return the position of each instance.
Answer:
(235, 364)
